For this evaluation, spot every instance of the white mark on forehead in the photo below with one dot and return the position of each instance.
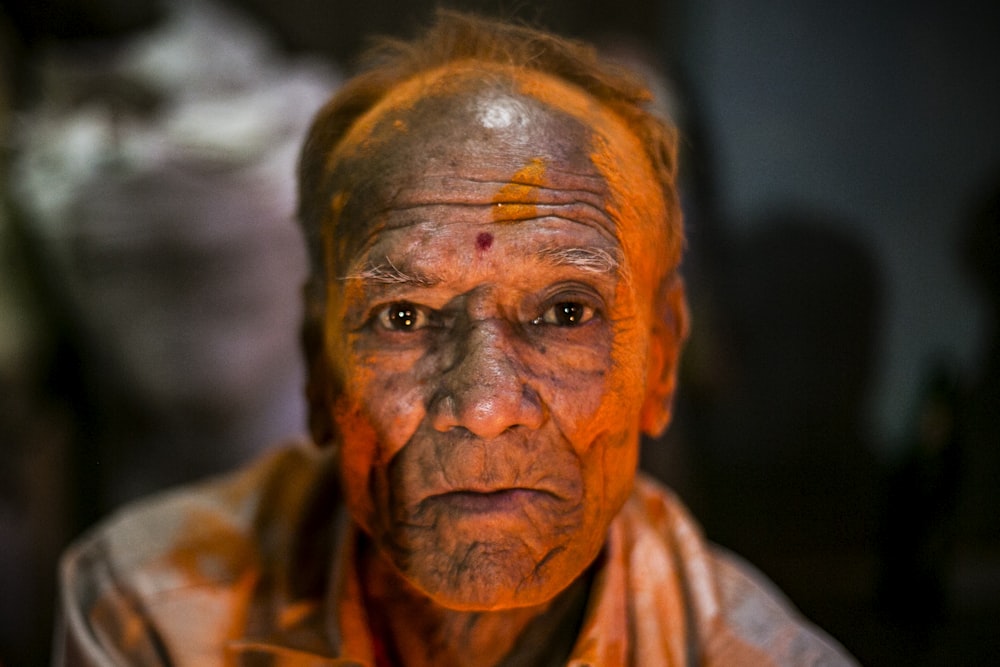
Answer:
(500, 112)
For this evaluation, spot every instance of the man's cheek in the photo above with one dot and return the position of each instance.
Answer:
(358, 456)
(577, 401)
(625, 380)
(374, 423)
(395, 405)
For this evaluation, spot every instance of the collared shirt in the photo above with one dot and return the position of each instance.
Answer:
(256, 568)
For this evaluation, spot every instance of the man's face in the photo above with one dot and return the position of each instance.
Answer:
(490, 325)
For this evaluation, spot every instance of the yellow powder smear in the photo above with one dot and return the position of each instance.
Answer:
(517, 200)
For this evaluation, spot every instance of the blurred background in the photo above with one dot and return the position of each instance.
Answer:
(839, 416)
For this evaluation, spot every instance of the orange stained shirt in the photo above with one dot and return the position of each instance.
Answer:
(256, 568)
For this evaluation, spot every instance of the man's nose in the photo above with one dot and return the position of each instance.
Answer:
(484, 391)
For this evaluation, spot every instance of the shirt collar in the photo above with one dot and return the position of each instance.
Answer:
(604, 637)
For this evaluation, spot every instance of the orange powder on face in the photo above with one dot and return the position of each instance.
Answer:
(637, 199)
(516, 200)
(638, 208)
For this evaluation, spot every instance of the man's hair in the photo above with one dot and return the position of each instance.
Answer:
(454, 37)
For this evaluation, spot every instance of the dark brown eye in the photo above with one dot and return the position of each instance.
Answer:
(566, 314)
(402, 316)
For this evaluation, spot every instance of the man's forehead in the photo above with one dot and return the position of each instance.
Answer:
(493, 101)
(464, 116)
(475, 134)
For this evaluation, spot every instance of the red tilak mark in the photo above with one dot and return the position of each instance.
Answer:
(484, 241)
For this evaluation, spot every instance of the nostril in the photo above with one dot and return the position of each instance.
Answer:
(442, 413)
(486, 410)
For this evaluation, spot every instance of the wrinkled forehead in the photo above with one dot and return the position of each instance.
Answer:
(476, 123)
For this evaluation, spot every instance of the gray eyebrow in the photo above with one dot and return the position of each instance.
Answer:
(591, 260)
(588, 259)
(387, 273)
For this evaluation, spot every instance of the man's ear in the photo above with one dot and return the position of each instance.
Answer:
(320, 384)
(670, 330)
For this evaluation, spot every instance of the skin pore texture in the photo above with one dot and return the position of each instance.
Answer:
(501, 328)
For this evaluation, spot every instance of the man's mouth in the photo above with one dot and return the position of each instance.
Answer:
(487, 502)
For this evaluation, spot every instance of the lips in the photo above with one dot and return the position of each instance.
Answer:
(488, 502)
(452, 474)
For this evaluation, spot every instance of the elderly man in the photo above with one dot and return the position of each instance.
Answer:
(493, 319)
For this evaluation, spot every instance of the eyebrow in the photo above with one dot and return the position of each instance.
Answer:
(586, 259)
(387, 273)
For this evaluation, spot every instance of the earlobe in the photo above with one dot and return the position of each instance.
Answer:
(670, 330)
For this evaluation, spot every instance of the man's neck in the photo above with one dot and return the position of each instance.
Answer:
(411, 630)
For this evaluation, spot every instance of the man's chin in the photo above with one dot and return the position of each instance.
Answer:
(488, 577)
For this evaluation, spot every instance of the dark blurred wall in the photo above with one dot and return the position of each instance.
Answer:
(883, 114)
(340, 29)
(873, 127)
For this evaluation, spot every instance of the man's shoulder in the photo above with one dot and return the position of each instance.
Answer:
(175, 573)
(736, 613)
(758, 614)
(211, 530)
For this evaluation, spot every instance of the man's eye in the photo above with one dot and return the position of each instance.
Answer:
(403, 316)
(566, 314)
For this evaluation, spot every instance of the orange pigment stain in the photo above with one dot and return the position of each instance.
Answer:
(636, 196)
(206, 556)
(516, 200)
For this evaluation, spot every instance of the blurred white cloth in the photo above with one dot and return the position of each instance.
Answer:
(159, 181)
